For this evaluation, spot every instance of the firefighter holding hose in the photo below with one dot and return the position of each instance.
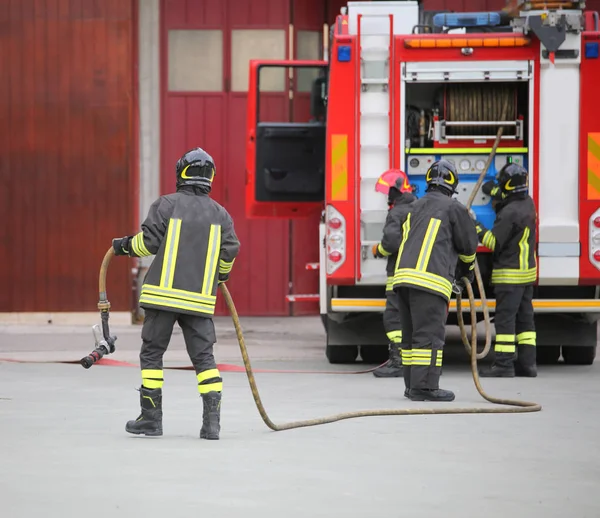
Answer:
(395, 184)
(512, 241)
(194, 243)
(438, 248)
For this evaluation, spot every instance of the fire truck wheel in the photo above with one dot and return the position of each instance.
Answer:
(375, 354)
(341, 353)
(579, 355)
(547, 354)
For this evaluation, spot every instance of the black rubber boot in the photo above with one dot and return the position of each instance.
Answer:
(503, 367)
(406, 374)
(525, 365)
(149, 421)
(211, 416)
(431, 395)
(393, 367)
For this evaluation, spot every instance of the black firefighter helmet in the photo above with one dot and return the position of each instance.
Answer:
(513, 178)
(443, 175)
(195, 168)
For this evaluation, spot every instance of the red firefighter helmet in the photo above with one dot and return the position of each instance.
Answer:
(393, 178)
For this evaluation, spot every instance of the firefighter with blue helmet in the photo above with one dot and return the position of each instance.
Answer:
(195, 245)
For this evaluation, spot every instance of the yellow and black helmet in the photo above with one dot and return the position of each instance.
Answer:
(196, 167)
(513, 178)
(443, 175)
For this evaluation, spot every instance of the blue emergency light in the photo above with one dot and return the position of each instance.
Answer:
(343, 53)
(466, 19)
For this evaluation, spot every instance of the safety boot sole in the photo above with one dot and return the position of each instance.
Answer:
(420, 395)
(209, 436)
(390, 373)
(149, 433)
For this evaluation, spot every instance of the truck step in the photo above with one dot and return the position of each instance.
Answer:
(302, 298)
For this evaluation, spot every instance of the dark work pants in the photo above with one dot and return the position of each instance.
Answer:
(424, 332)
(514, 319)
(199, 335)
(392, 320)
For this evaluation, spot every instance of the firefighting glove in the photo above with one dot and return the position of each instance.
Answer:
(121, 245)
(376, 252)
(223, 277)
(464, 270)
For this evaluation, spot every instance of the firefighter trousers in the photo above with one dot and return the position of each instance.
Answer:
(199, 335)
(392, 320)
(423, 315)
(514, 320)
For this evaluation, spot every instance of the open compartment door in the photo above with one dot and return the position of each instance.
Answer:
(285, 162)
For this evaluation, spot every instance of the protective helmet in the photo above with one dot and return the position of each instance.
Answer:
(196, 167)
(393, 179)
(443, 175)
(513, 178)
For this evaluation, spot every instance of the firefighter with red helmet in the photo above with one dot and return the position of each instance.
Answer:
(194, 243)
(395, 184)
(438, 248)
(512, 241)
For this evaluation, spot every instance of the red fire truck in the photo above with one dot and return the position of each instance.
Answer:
(401, 88)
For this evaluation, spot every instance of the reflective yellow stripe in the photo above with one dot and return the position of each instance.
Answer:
(467, 258)
(169, 302)
(524, 251)
(427, 280)
(438, 358)
(406, 356)
(527, 338)
(170, 258)
(421, 357)
(208, 374)
(212, 255)
(152, 378)
(504, 348)
(405, 231)
(428, 242)
(464, 150)
(225, 267)
(395, 336)
(389, 284)
(383, 251)
(505, 338)
(489, 240)
(150, 289)
(510, 276)
(211, 387)
(138, 246)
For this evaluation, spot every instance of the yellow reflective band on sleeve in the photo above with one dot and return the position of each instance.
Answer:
(406, 357)
(152, 378)
(225, 267)
(438, 358)
(428, 242)
(510, 276)
(208, 374)
(427, 280)
(383, 251)
(212, 256)
(421, 357)
(405, 231)
(138, 246)
(489, 240)
(527, 338)
(170, 258)
(395, 336)
(211, 387)
(467, 258)
(499, 348)
(524, 251)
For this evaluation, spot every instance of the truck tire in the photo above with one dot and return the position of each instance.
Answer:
(579, 355)
(337, 354)
(375, 354)
(547, 354)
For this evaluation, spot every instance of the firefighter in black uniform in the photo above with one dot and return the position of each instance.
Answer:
(439, 245)
(512, 240)
(195, 245)
(400, 199)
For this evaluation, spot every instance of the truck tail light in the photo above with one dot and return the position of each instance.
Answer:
(594, 243)
(335, 239)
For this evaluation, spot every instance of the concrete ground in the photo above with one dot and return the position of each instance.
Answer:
(64, 451)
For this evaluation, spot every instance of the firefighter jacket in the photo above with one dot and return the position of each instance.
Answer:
(437, 233)
(392, 233)
(194, 242)
(512, 239)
